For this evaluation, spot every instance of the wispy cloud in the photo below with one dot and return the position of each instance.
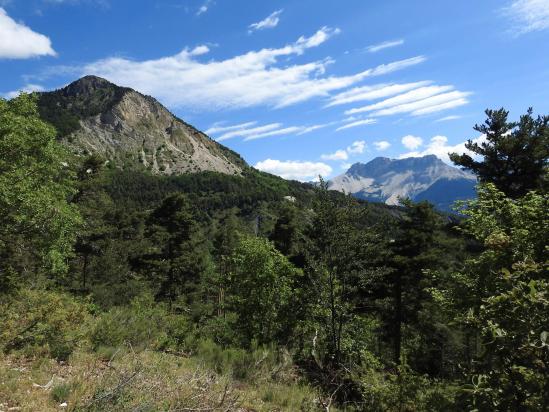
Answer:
(528, 15)
(268, 22)
(448, 118)
(29, 88)
(385, 45)
(245, 132)
(420, 101)
(255, 78)
(411, 96)
(204, 7)
(294, 169)
(373, 92)
(357, 123)
(218, 127)
(18, 41)
(248, 131)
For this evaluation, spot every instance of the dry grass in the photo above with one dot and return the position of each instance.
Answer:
(144, 381)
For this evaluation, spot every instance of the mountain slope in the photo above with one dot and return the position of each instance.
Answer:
(419, 178)
(131, 130)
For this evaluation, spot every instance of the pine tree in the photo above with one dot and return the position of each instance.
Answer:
(415, 250)
(179, 256)
(515, 155)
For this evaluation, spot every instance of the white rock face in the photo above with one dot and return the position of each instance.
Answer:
(385, 180)
(131, 129)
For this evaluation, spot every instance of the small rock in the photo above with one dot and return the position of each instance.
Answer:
(63, 405)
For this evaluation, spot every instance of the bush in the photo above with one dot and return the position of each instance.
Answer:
(43, 322)
(143, 324)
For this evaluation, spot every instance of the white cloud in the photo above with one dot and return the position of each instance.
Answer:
(373, 92)
(248, 132)
(432, 104)
(18, 41)
(218, 127)
(411, 142)
(337, 155)
(244, 132)
(278, 132)
(29, 88)
(199, 50)
(382, 145)
(448, 118)
(410, 96)
(204, 7)
(251, 79)
(304, 171)
(439, 147)
(357, 147)
(356, 124)
(528, 15)
(269, 22)
(385, 45)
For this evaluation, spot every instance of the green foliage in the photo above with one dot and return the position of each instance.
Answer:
(178, 258)
(510, 313)
(143, 324)
(515, 154)
(61, 392)
(342, 262)
(37, 321)
(262, 291)
(37, 224)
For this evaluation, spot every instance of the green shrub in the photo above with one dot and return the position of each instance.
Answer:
(61, 392)
(43, 322)
(143, 324)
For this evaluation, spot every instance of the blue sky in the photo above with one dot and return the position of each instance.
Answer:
(297, 87)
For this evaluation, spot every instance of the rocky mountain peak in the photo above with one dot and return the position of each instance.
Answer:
(131, 130)
(421, 178)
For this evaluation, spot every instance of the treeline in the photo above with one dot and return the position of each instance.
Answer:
(378, 308)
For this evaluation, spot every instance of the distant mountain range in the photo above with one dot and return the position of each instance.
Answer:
(419, 178)
(131, 130)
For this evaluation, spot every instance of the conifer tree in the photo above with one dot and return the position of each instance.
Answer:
(515, 155)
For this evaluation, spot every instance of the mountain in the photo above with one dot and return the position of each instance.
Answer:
(419, 178)
(131, 130)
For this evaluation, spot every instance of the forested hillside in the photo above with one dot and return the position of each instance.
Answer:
(130, 290)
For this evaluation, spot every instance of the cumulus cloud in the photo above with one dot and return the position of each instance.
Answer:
(382, 145)
(337, 155)
(268, 22)
(438, 146)
(528, 15)
(256, 78)
(29, 88)
(357, 147)
(18, 41)
(385, 45)
(293, 169)
(411, 142)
